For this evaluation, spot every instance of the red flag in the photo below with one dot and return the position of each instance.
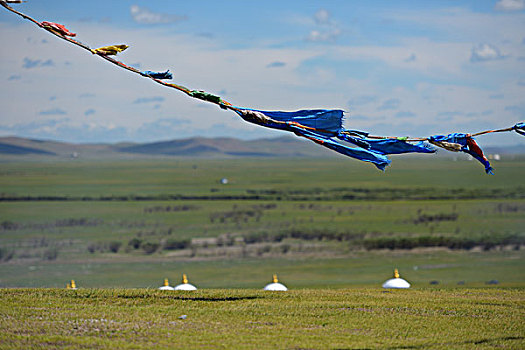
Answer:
(57, 28)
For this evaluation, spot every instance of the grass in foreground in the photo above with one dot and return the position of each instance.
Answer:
(214, 319)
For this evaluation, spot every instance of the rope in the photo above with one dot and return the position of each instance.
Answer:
(222, 103)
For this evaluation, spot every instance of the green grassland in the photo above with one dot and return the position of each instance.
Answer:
(92, 221)
(200, 177)
(332, 229)
(246, 319)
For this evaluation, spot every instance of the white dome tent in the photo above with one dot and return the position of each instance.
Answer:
(275, 285)
(185, 285)
(166, 285)
(396, 282)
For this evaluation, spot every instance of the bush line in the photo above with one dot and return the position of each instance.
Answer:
(335, 194)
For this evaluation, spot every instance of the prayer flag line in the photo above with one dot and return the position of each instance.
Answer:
(321, 126)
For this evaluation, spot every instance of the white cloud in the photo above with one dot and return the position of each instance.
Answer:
(328, 29)
(392, 103)
(143, 15)
(276, 64)
(89, 112)
(461, 24)
(485, 52)
(324, 36)
(411, 58)
(30, 63)
(510, 5)
(53, 111)
(415, 54)
(322, 16)
(149, 99)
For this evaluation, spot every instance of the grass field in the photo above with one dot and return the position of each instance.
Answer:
(243, 319)
(332, 230)
(196, 177)
(91, 220)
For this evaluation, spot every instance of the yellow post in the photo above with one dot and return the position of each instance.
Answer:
(275, 280)
(184, 279)
(73, 285)
(166, 282)
(396, 273)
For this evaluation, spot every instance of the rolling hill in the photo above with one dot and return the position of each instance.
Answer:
(190, 147)
(197, 147)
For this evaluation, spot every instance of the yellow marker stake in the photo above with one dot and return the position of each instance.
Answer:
(184, 279)
(73, 285)
(396, 273)
(275, 280)
(166, 282)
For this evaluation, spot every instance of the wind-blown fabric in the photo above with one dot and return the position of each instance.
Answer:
(317, 125)
(519, 128)
(205, 96)
(322, 121)
(322, 126)
(158, 75)
(388, 146)
(380, 161)
(59, 28)
(459, 142)
(110, 50)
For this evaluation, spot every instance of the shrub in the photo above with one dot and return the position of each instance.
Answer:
(92, 247)
(285, 248)
(8, 225)
(150, 247)
(264, 249)
(135, 243)
(173, 244)
(6, 255)
(50, 254)
(114, 246)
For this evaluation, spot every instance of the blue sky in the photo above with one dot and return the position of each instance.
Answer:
(397, 67)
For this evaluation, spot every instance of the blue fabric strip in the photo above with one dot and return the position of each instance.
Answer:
(458, 138)
(321, 119)
(158, 75)
(461, 139)
(388, 146)
(380, 161)
(520, 128)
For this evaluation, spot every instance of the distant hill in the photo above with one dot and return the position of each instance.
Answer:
(190, 147)
(6, 148)
(221, 147)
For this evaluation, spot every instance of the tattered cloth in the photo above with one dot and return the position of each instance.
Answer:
(459, 142)
(57, 28)
(380, 161)
(317, 125)
(388, 145)
(158, 75)
(322, 121)
(519, 128)
(110, 50)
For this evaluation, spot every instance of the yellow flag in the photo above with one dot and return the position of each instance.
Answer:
(110, 50)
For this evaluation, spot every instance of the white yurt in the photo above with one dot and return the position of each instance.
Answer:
(275, 285)
(396, 282)
(185, 285)
(166, 285)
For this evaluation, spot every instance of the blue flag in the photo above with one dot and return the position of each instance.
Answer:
(387, 146)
